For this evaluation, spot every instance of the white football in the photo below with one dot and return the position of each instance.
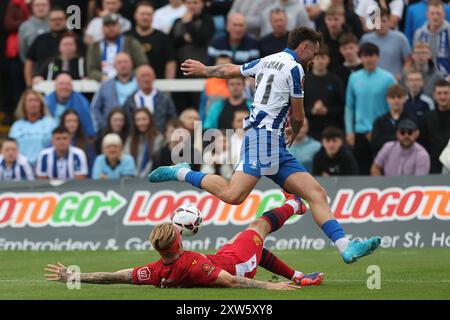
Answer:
(188, 219)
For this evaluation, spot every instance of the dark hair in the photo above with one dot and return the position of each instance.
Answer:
(301, 34)
(81, 140)
(385, 12)
(332, 133)
(144, 3)
(174, 122)
(60, 130)
(441, 83)
(126, 126)
(8, 139)
(323, 51)
(58, 8)
(348, 38)
(150, 135)
(369, 49)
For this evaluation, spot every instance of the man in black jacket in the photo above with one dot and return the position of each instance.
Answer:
(324, 96)
(334, 159)
(437, 125)
(384, 127)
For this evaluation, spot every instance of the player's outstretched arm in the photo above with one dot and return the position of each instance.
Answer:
(59, 273)
(225, 279)
(194, 68)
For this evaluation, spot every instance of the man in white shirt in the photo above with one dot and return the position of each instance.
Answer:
(94, 31)
(62, 161)
(165, 16)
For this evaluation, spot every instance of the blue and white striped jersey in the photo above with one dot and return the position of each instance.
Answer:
(278, 78)
(52, 167)
(20, 170)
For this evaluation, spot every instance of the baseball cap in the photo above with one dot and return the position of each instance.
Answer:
(407, 124)
(111, 18)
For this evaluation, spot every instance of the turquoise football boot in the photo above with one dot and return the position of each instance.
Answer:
(167, 173)
(359, 249)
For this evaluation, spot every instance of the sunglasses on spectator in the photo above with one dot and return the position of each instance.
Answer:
(406, 132)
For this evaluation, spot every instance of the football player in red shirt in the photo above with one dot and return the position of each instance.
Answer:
(233, 266)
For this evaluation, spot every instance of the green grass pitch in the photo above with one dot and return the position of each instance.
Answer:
(405, 274)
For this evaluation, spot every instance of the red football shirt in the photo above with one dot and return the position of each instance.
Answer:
(192, 269)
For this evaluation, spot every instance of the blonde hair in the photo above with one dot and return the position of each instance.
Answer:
(112, 139)
(163, 236)
(20, 112)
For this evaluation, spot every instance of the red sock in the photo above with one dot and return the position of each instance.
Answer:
(278, 216)
(273, 264)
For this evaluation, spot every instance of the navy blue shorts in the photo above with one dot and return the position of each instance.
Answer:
(264, 153)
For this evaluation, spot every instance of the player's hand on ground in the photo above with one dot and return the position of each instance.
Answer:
(284, 286)
(56, 272)
(193, 68)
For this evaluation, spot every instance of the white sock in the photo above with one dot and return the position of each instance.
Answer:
(293, 204)
(342, 244)
(181, 174)
(297, 274)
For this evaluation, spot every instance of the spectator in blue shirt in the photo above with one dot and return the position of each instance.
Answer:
(237, 43)
(113, 164)
(64, 97)
(365, 101)
(416, 17)
(33, 127)
(14, 166)
(114, 92)
(62, 161)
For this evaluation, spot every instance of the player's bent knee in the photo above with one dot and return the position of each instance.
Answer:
(319, 194)
(233, 198)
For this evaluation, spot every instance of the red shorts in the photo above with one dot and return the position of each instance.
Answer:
(242, 257)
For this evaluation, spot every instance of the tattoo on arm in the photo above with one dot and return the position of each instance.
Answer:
(123, 276)
(242, 282)
(296, 126)
(225, 71)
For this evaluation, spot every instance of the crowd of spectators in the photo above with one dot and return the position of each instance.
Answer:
(377, 95)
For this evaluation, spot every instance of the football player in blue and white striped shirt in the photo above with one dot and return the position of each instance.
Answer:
(62, 161)
(14, 166)
(279, 90)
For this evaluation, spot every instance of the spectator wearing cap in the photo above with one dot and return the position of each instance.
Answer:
(101, 55)
(334, 158)
(113, 163)
(324, 96)
(365, 101)
(422, 60)
(62, 161)
(403, 157)
(417, 104)
(296, 15)
(348, 47)
(95, 32)
(395, 51)
(277, 39)
(13, 165)
(33, 128)
(436, 127)
(158, 103)
(113, 92)
(36, 25)
(45, 46)
(192, 32)
(64, 97)
(157, 45)
(236, 43)
(436, 34)
(305, 147)
(166, 16)
(384, 127)
(69, 60)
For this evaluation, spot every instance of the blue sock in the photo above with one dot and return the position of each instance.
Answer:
(195, 178)
(333, 230)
